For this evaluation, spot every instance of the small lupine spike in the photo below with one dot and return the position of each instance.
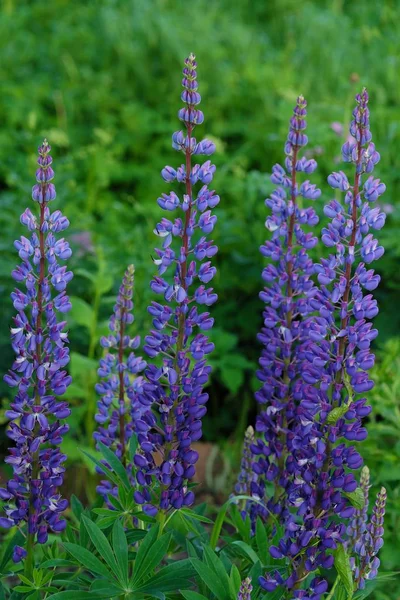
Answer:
(371, 543)
(175, 390)
(245, 590)
(40, 343)
(358, 525)
(119, 407)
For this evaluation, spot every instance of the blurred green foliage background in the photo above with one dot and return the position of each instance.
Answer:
(101, 80)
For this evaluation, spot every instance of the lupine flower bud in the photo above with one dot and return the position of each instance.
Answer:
(40, 345)
(245, 590)
(119, 408)
(173, 393)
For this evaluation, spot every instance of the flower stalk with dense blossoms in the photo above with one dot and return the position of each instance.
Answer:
(119, 407)
(39, 342)
(174, 392)
(288, 281)
(336, 359)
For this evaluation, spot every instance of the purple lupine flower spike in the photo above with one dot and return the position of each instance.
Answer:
(119, 408)
(287, 278)
(174, 392)
(371, 543)
(336, 360)
(245, 590)
(40, 344)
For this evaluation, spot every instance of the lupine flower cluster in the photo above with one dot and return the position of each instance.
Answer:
(119, 407)
(335, 357)
(38, 374)
(174, 389)
(288, 280)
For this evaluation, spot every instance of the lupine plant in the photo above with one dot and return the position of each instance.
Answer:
(296, 525)
(175, 392)
(32, 495)
(119, 408)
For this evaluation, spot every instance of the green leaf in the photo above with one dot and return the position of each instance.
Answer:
(120, 546)
(133, 444)
(2, 592)
(150, 556)
(194, 515)
(81, 365)
(262, 541)
(80, 595)
(189, 595)
(134, 535)
(343, 568)
(337, 413)
(212, 560)
(219, 521)
(356, 498)
(235, 580)
(174, 576)
(76, 506)
(211, 579)
(81, 312)
(17, 540)
(101, 544)
(245, 550)
(115, 464)
(109, 474)
(88, 560)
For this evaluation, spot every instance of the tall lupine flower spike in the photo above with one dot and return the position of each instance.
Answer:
(337, 359)
(119, 407)
(287, 278)
(39, 342)
(245, 590)
(370, 544)
(174, 392)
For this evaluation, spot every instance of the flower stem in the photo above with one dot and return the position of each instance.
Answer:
(30, 541)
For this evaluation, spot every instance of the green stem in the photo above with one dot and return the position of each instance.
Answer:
(91, 398)
(161, 518)
(29, 560)
(219, 521)
(331, 593)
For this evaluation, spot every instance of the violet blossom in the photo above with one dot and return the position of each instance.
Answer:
(174, 392)
(119, 407)
(38, 374)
